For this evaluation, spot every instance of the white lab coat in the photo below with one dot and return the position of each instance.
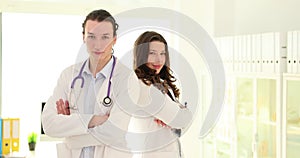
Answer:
(110, 139)
(158, 141)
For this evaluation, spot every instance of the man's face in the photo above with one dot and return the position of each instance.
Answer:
(99, 39)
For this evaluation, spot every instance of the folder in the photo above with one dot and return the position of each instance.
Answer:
(289, 51)
(228, 53)
(294, 51)
(6, 136)
(225, 48)
(243, 52)
(248, 53)
(236, 53)
(267, 52)
(298, 52)
(1, 136)
(280, 40)
(256, 52)
(15, 124)
(253, 53)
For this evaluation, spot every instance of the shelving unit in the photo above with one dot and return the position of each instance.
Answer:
(248, 127)
(291, 111)
(263, 111)
(251, 122)
(256, 115)
(245, 116)
(225, 133)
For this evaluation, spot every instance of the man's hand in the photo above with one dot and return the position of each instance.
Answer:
(62, 107)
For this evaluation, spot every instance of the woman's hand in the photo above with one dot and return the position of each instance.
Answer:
(62, 107)
(97, 120)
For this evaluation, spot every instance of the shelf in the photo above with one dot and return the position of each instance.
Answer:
(224, 151)
(293, 131)
(46, 138)
(272, 123)
(256, 75)
(291, 76)
(223, 139)
(246, 117)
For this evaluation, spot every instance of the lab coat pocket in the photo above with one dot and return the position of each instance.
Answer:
(63, 151)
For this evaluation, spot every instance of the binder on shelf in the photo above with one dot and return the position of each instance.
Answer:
(6, 136)
(289, 52)
(236, 53)
(256, 53)
(229, 53)
(243, 53)
(225, 47)
(294, 51)
(248, 54)
(268, 52)
(279, 37)
(15, 124)
(221, 49)
(298, 52)
(1, 136)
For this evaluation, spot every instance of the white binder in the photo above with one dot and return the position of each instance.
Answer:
(243, 53)
(238, 50)
(248, 53)
(277, 51)
(230, 53)
(294, 51)
(268, 52)
(256, 53)
(298, 52)
(236, 54)
(289, 51)
(226, 47)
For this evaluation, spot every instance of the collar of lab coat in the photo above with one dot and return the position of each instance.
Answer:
(105, 71)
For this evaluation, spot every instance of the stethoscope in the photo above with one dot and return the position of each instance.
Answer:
(107, 101)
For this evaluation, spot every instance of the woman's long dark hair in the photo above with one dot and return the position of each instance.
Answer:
(164, 80)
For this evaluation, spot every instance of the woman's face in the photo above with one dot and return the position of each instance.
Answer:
(156, 56)
(99, 39)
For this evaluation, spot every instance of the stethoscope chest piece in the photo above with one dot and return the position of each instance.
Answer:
(107, 102)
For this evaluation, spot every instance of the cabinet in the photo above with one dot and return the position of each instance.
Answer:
(291, 89)
(257, 101)
(248, 126)
(245, 116)
(264, 112)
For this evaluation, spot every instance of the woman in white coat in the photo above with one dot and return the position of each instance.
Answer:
(152, 67)
(76, 110)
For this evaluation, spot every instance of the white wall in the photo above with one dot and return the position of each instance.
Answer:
(234, 17)
(202, 12)
(36, 48)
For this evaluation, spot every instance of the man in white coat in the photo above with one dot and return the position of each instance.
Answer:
(93, 101)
